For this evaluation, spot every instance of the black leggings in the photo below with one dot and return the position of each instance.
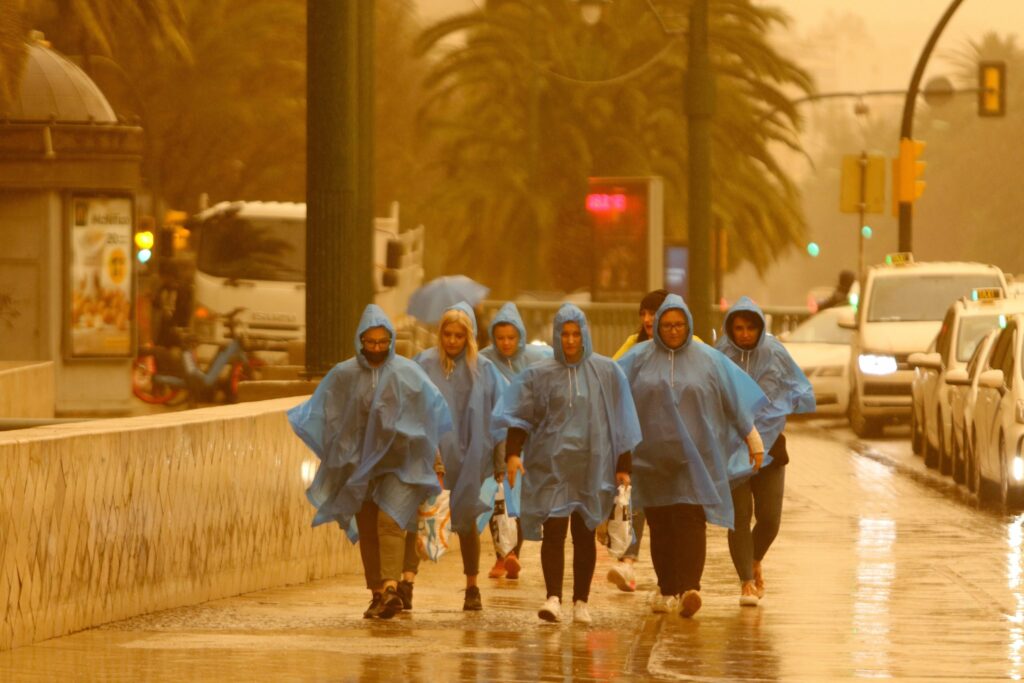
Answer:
(678, 546)
(469, 546)
(552, 556)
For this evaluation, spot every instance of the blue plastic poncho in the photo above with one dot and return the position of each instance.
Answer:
(525, 356)
(580, 417)
(696, 408)
(770, 365)
(468, 450)
(375, 431)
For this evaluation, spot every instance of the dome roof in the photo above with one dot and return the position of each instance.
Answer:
(52, 87)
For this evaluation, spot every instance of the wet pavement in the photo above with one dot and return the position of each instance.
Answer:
(881, 571)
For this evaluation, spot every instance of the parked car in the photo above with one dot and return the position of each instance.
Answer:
(966, 323)
(900, 312)
(999, 415)
(963, 394)
(822, 350)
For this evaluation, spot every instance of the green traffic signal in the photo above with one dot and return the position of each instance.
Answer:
(813, 249)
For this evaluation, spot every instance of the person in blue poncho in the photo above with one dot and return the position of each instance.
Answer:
(471, 386)
(375, 422)
(573, 417)
(697, 410)
(511, 354)
(766, 360)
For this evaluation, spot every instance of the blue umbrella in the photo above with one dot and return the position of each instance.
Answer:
(429, 302)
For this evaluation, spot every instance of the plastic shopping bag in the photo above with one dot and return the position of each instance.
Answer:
(506, 535)
(435, 527)
(620, 524)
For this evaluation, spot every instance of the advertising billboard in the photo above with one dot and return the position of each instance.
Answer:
(100, 277)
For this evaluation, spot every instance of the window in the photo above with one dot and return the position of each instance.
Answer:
(253, 248)
(912, 298)
(976, 356)
(972, 330)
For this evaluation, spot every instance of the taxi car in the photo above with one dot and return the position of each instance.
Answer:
(822, 350)
(963, 394)
(966, 323)
(900, 312)
(999, 415)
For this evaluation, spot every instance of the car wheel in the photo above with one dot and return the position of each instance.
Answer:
(916, 433)
(1009, 495)
(862, 425)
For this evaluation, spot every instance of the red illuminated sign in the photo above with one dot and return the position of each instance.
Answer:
(606, 203)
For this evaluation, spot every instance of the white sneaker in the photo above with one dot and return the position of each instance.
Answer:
(622, 575)
(748, 594)
(663, 604)
(581, 613)
(551, 610)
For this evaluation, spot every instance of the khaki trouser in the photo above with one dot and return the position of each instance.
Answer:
(386, 549)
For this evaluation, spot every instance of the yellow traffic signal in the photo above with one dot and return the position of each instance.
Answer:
(910, 171)
(144, 239)
(991, 88)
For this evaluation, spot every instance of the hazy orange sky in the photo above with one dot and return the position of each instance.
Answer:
(898, 29)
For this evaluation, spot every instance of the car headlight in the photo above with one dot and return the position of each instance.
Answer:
(871, 364)
(831, 371)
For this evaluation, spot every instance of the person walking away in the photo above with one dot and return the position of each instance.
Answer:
(696, 409)
(766, 360)
(374, 422)
(622, 573)
(511, 354)
(572, 426)
(471, 386)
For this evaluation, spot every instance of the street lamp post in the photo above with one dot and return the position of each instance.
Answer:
(906, 208)
(700, 106)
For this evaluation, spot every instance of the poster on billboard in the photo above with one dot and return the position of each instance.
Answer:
(101, 276)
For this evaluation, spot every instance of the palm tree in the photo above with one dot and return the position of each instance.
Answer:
(518, 130)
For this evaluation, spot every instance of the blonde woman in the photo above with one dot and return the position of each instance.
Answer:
(471, 385)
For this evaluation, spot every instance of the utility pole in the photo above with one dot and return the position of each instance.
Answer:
(339, 189)
(700, 106)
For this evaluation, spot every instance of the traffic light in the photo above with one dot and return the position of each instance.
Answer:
(991, 88)
(910, 171)
(144, 240)
(813, 249)
(866, 232)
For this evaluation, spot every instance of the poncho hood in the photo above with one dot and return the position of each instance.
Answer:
(747, 305)
(673, 301)
(570, 313)
(374, 316)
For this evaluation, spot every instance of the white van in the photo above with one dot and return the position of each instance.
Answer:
(899, 312)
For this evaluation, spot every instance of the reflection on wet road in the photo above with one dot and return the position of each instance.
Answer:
(875, 575)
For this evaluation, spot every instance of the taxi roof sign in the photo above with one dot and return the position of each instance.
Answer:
(899, 258)
(986, 294)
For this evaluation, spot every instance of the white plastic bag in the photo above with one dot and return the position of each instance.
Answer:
(435, 527)
(505, 533)
(620, 524)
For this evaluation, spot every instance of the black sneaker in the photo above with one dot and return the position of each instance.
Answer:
(405, 592)
(390, 604)
(371, 611)
(472, 602)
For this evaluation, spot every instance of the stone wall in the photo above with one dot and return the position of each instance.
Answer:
(26, 389)
(104, 520)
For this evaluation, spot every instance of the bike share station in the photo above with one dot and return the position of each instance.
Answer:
(69, 176)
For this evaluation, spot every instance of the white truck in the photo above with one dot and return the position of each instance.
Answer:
(252, 255)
